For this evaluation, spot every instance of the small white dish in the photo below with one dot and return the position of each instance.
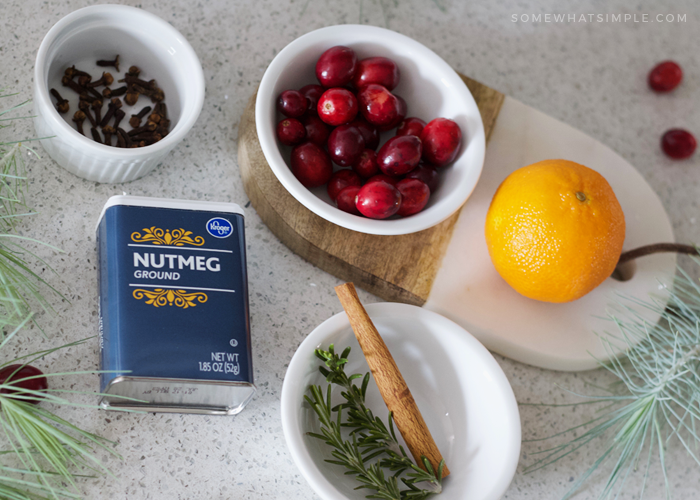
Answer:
(141, 39)
(429, 85)
(461, 391)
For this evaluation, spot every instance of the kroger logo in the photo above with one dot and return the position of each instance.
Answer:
(219, 227)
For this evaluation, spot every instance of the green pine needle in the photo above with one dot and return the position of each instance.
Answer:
(656, 397)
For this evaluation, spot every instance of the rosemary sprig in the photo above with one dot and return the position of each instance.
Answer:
(369, 437)
(660, 382)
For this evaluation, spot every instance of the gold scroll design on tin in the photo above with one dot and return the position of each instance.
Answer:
(160, 297)
(175, 237)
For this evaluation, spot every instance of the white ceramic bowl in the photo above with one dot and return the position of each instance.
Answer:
(461, 391)
(429, 85)
(140, 38)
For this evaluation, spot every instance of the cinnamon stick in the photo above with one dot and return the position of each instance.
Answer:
(391, 384)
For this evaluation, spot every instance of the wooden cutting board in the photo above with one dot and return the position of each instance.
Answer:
(395, 268)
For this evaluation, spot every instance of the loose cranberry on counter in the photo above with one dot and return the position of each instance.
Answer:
(316, 131)
(312, 93)
(399, 155)
(290, 131)
(13, 375)
(678, 143)
(337, 107)
(340, 180)
(346, 200)
(345, 145)
(367, 165)
(379, 70)
(414, 196)
(292, 103)
(411, 126)
(369, 132)
(441, 139)
(378, 200)
(665, 76)
(383, 178)
(378, 106)
(336, 66)
(426, 173)
(311, 165)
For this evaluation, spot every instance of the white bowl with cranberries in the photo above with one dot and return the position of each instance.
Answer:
(370, 130)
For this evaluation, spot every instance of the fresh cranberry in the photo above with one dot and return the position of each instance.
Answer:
(11, 373)
(399, 155)
(379, 70)
(312, 93)
(346, 200)
(665, 76)
(345, 145)
(369, 133)
(316, 131)
(290, 131)
(340, 180)
(311, 165)
(292, 103)
(366, 166)
(337, 107)
(378, 200)
(414, 196)
(678, 143)
(411, 126)
(426, 173)
(336, 66)
(383, 178)
(441, 139)
(378, 106)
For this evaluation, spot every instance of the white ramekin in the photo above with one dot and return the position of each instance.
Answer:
(429, 85)
(141, 39)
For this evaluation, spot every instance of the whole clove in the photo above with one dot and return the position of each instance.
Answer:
(131, 97)
(149, 127)
(85, 108)
(62, 105)
(97, 107)
(79, 118)
(134, 71)
(114, 105)
(118, 117)
(132, 80)
(125, 137)
(67, 82)
(114, 64)
(72, 72)
(96, 135)
(106, 80)
(108, 131)
(135, 120)
(109, 93)
(83, 80)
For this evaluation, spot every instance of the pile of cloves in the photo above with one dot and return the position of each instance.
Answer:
(91, 103)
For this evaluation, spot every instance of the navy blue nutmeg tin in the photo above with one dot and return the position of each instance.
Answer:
(174, 323)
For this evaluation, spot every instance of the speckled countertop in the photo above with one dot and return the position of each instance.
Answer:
(588, 74)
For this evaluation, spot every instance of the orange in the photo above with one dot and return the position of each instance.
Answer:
(555, 230)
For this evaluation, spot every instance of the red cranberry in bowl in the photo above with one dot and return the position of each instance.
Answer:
(345, 145)
(678, 143)
(411, 126)
(378, 106)
(336, 66)
(399, 155)
(292, 103)
(384, 178)
(665, 76)
(316, 131)
(312, 93)
(290, 131)
(340, 180)
(346, 200)
(378, 200)
(311, 165)
(426, 173)
(369, 132)
(441, 139)
(379, 70)
(337, 107)
(414, 196)
(366, 166)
